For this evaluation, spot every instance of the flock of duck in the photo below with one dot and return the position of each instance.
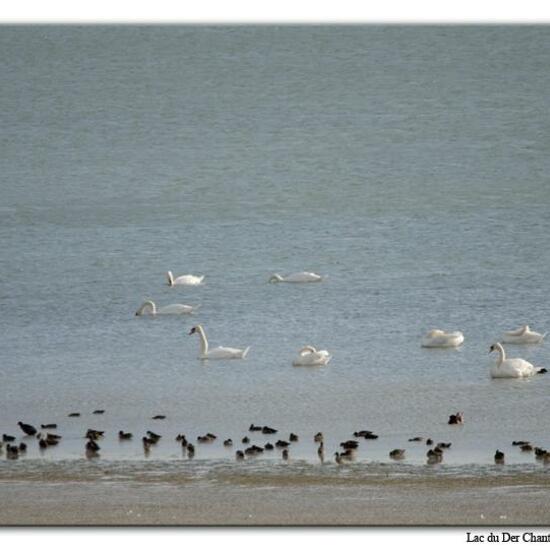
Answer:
(310, 356)
(346, 452)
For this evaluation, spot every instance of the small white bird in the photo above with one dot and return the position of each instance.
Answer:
(188, 280)
(439, 339)
(219, 352)
(149, 308)
(511, 368)
(308, 356)
(302, 277)
(522, 335)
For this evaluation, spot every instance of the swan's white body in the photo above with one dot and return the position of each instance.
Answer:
(308, 356)
(439, 339)
(189, 280)
(219, 352)
(523, 335)
(149, 308)
(302, 277)
(510, 368)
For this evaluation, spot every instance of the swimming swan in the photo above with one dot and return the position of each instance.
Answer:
(149, 308)
(523, 335)
(308, 356)
(189, 280)
(511, 368)
(302, 277)
(438, 339)
(217, 353)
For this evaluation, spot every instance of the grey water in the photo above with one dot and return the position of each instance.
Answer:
(407, 164)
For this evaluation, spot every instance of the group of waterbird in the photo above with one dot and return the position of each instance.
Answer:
(346, 453)
(504, 367)
(310, 356)
(307, 356)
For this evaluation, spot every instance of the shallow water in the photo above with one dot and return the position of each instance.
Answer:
(407, 164)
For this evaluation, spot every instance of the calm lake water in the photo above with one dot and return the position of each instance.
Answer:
(407, 164)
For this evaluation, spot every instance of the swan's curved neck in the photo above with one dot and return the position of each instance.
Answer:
(275, 278)
(170, 278)
(501, 354)
(204, 341)
(307, 349)
(147, 305)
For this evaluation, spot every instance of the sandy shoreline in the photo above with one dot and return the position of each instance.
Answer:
(510, 500)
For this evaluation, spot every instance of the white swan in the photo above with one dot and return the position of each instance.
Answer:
(149, 308)
(189, 280)
(522, 335)
(308, 356)
(511, 368)
(217, 353)
(438, 339)
(301, 277)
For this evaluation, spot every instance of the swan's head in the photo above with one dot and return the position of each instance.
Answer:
(494, 347)
(275, 278)
(147, 306)
(193, 330)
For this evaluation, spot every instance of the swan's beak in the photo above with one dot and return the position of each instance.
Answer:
(192, 331)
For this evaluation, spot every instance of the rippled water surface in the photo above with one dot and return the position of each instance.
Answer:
(407, 164)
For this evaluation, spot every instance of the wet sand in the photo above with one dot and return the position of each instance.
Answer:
(511, 500)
